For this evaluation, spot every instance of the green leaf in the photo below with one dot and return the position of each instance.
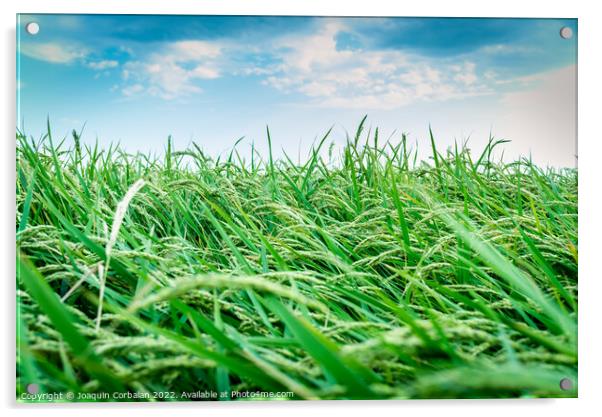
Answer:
(348, 373)
(63, 322)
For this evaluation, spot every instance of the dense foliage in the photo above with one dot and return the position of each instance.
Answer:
(365, 274)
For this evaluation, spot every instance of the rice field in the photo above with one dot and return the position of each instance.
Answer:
(361, 273)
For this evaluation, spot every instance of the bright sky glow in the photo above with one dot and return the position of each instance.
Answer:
(214, 79)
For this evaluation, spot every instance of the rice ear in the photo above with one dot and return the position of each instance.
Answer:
(101, 293)
(117, 221)
(120, 214)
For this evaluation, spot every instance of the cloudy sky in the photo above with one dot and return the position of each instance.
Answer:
(214, 79)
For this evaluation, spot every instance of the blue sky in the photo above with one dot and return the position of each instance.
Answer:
(214, 79)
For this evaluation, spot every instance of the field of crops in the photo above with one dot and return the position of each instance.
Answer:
(359, 274)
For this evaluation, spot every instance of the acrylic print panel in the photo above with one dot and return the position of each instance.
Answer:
(295, 208)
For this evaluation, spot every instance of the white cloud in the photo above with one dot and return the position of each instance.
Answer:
(311, 65)
(202, 71)
(466, 73)
(371, 79)
(525, 81)
(505, 49)
(193, 50)
(53, 52)
(132, 90)
(103, 64)
(174, 70)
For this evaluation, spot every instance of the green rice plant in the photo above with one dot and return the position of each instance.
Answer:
(364, 274)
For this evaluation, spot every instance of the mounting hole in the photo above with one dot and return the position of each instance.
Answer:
(566, 384)
(32, 28)
(566, 32)
(33, 388)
